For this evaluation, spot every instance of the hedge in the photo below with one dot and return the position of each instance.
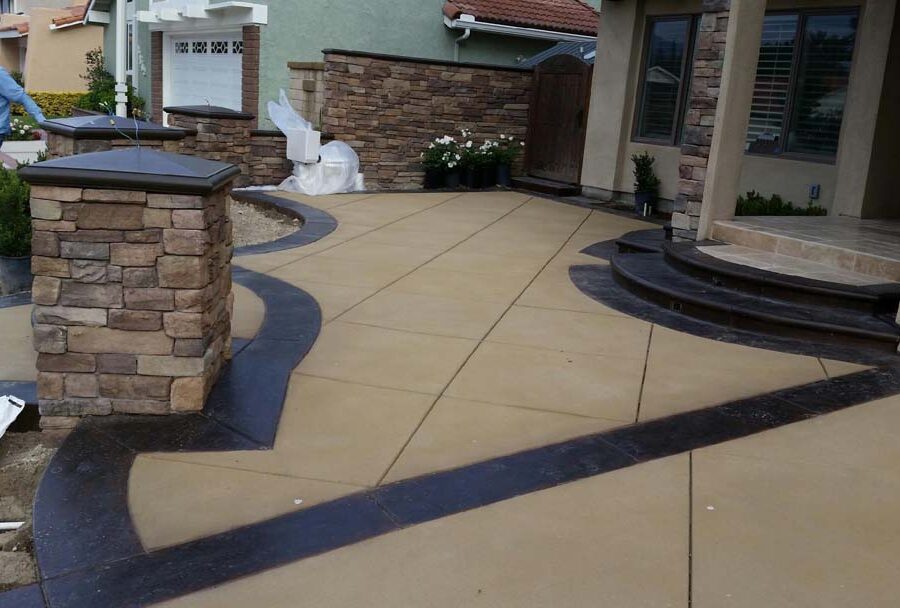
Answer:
(52, 103)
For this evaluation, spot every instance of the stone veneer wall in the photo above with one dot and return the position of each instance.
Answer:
(261, 155)
(61, 145)
(132, 294)
(388, 108)
(700, 118)
(307, 89)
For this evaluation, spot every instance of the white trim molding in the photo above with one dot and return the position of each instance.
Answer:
(469, 22)
(194, 15)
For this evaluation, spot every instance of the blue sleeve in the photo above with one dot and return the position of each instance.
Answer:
(10, 89)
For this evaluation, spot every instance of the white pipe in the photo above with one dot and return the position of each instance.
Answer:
(458, 42)
(5, 526)
(121, 50)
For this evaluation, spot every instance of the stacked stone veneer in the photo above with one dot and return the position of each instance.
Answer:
(700, 118)
(260, 154)
(307, 89)
(59, 145)
(224, 139)
(388, 108)
(132, 294)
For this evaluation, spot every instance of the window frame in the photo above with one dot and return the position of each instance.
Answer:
(803, 15)
(686, 79)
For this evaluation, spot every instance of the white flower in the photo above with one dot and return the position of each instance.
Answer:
(431, 146)
(458, 157)
(502, 136)
(469, 144)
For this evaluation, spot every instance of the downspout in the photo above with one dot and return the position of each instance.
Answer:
(458, 42)
(121, 51)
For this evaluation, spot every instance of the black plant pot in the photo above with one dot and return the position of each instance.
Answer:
(434, 178)
(503, 176)
(643, 203)
(451, 179)
(15, 274)
(472, 178)
(489, 176)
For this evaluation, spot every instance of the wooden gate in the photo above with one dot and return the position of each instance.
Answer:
(557, 119)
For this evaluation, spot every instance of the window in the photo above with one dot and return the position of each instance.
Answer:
(219, 47)
(666, 75)
(801, 83)
(129, 48)
(199, 47)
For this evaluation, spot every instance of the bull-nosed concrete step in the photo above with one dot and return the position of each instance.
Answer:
(874, 299)
(649, 275)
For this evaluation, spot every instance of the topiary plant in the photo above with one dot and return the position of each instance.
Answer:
(101, 95)
(645, 180)
(15, 215)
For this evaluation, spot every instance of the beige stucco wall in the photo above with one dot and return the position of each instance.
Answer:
(55, 59)
(608, 148)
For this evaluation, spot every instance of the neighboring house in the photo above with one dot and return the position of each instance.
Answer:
(787, 97)
(47, 43)
(235, 54)
(585, 51)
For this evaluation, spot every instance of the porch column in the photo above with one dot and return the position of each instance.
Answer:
(607, 121)
(716, 125)
(866, 161)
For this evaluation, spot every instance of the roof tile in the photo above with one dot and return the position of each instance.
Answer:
(571, 16)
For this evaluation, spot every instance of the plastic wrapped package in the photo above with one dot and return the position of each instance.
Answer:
(335, 172)
(337, 169)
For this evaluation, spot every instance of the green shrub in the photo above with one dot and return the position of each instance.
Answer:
(754, 203)
(645, 179)
(52, 103)
(101, 95)
(15, 215)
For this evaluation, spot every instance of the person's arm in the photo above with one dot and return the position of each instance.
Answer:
(10, 89)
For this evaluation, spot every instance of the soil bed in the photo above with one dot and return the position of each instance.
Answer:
(254, 224)
(23, 458)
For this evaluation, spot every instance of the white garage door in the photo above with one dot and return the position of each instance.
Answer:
(206, 68)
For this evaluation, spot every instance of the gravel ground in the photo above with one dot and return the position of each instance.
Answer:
(253, 224)
(23, 458)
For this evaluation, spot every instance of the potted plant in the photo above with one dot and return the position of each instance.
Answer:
(441, 161)
(488, 163)
(24, 142)
(646, 184)
(15, 234)
(505, 152)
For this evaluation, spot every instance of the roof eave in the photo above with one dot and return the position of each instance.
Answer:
(469, 22)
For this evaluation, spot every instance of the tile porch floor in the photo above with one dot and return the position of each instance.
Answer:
(867, 247)
(452, 334)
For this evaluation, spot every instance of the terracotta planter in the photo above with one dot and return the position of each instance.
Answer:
(15, 274)
(24, 151)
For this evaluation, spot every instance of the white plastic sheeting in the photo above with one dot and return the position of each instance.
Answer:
(10, 408)
(338, 167)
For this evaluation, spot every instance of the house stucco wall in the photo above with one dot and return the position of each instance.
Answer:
(607, 166)
(55, 59)
(299, 31)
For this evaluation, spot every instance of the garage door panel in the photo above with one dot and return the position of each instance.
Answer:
(206, 69)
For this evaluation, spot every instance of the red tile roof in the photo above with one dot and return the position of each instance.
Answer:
(76, 15)
(571, 16)
(21, 27)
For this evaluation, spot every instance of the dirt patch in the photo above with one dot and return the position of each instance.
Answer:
(23, 458)
(254, 224)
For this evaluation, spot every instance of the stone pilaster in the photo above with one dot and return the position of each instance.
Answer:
(700, 117)
(132, 288)
(215, 133)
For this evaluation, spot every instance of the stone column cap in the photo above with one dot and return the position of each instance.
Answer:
(110, 127)
(133, 169)
(209, 112)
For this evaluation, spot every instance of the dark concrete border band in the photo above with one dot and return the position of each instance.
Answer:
(316, 223)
